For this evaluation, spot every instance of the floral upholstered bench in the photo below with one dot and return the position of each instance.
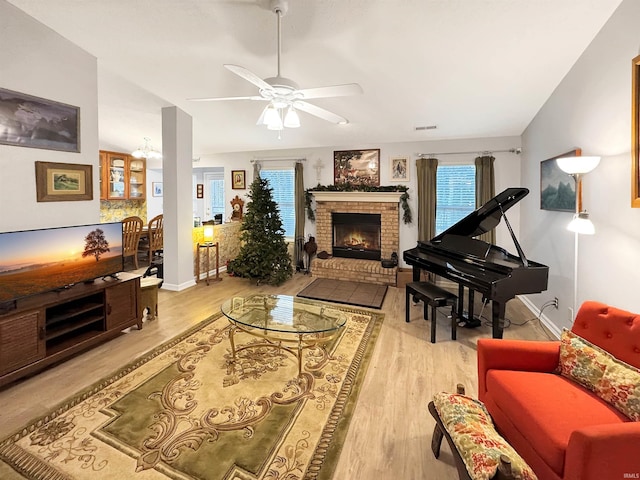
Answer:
(479, 451)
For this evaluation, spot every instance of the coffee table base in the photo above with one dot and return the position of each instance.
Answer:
(303, 342)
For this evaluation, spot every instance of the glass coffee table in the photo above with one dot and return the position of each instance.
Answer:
(291, 324)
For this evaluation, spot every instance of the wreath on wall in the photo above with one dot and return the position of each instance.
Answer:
(348, 187)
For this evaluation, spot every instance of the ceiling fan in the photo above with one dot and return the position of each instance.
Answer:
(283, 94)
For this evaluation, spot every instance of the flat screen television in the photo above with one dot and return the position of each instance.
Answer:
(37, 261)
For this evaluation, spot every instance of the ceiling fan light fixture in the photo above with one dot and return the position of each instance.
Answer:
(273, 120)
(271, 116)
(292, 119)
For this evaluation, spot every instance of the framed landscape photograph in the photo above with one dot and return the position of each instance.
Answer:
(557, 188)
(28, 121)
(399, 169)
(59, 182)
(357, 167)
(238, 180)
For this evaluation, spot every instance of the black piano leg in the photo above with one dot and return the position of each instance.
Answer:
(497, 318)
(460, 302)
(416, 273)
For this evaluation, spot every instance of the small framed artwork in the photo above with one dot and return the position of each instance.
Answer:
(35, 122)
(200, 190)
(60, 182)
(238, 180)
(557, 188)
(357, 167)
(156, 189)
(399, 169)
(635, 133)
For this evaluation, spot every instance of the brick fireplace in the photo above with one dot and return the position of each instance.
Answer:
(384, 204)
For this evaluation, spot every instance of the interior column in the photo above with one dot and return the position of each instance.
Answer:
(177, 154)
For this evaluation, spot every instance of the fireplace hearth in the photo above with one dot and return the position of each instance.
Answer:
(356, 235)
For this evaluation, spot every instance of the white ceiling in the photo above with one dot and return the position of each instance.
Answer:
(474, 68)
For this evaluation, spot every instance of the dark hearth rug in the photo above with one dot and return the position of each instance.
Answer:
(349, 293)
(187, 411)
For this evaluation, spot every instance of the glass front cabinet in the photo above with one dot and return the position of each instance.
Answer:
(122, 177)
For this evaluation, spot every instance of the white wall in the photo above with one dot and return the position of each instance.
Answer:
(590, 109)
(37, 61)
(154, 204)
(507, 167)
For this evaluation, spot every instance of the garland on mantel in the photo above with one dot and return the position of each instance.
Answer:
(348, 187)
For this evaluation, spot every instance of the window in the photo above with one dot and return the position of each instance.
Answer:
(282, 182)
(455, 195)
(214, 193)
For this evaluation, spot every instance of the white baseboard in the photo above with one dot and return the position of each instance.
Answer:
(543, 318)
(178, 288)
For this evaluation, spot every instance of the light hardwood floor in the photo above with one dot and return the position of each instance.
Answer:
(390, 432)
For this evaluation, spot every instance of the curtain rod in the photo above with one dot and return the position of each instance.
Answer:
(517, 151)
(279, 159)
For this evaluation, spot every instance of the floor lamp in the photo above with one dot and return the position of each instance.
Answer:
(577, 167)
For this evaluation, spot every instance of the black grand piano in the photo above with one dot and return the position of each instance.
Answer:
(480, 266)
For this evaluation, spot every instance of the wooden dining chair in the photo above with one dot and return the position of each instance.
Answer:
(131, 230)
(155, 237)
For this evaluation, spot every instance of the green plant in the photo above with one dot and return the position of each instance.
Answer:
(263, 256)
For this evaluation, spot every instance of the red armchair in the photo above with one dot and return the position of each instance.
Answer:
(561, 429)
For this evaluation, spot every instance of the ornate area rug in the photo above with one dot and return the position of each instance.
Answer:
(184, 411)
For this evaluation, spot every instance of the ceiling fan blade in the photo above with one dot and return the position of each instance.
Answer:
(332, 91)
(248, 76)
(216, 99)
(320, 112)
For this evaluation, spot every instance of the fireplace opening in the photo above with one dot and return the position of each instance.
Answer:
(356, 235)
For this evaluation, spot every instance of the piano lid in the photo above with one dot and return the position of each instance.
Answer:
(486, 217)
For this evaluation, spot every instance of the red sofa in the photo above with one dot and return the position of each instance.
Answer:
(561, 429)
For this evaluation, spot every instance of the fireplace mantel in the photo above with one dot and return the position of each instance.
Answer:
(381, 197)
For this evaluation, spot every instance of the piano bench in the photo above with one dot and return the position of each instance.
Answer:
(434, 297)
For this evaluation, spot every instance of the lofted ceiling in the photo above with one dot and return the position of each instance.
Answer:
(473, 68)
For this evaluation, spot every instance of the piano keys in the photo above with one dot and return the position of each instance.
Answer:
(480, 266)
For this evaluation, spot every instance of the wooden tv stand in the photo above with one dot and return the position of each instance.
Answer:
(50, 327)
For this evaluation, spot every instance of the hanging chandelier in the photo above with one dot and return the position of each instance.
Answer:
(147, 151)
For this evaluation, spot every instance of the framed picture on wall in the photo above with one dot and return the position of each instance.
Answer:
(238, 180)
(399, 169)
(357, 167)
(59, 182)
(156, 189)
(557, 188)
(200, 190)
(635, 133)
(21, 126)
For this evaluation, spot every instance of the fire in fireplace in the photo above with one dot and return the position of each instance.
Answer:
(356, 235)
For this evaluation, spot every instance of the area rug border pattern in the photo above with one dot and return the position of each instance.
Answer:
(329, 445)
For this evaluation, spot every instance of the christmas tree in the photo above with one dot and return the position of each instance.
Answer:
(263, 255)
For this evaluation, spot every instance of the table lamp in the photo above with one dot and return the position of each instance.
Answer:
(208, 234)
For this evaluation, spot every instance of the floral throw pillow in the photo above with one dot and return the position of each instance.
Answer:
(613, 380)
(470, 427)
(580, 361)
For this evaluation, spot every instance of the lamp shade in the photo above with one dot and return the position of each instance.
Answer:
(581, 224)
(291, 119)
(208, 233)
(574, 165)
